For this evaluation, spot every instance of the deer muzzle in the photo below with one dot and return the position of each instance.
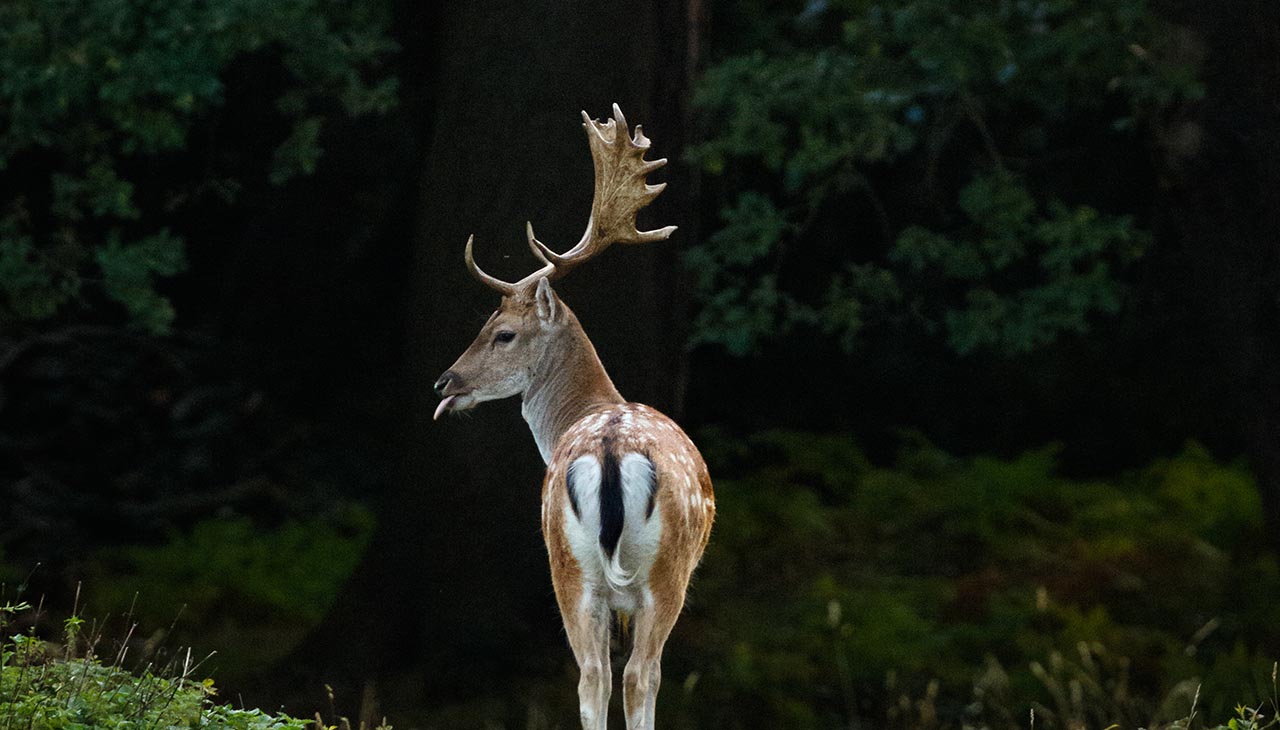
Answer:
(449, 388)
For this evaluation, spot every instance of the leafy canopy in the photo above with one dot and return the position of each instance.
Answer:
(97, 95)
(943, 165)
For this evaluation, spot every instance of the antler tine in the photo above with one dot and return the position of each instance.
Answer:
(498, 285)
(543, 253)
(622, 123)
(540, 251)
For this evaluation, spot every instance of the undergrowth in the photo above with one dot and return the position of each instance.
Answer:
(834, 587)
(68, 685)
(248, 591)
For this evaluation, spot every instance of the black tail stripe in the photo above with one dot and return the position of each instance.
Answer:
(653, 487)
(612, 513)
(573, 492)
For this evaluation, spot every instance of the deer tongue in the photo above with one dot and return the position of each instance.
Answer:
(444, 406)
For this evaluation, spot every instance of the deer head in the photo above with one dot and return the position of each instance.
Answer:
(531, 326)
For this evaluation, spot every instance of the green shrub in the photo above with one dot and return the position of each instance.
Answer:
(46, 688)
(832, 588)
(248, 592)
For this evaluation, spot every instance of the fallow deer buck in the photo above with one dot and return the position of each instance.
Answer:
(627, 503)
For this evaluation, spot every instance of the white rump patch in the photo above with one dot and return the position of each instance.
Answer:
(641, 532)
(625, 577)
(638, 479)
(583, 529)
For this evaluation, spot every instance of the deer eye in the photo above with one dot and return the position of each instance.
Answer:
(504, 337)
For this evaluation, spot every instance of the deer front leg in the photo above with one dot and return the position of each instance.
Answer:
(587, 624)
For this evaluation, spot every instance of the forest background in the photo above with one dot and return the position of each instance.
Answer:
(974, 310)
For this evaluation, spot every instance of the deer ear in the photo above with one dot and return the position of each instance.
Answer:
(544, 300)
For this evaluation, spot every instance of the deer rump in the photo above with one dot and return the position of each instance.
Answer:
(614, 530)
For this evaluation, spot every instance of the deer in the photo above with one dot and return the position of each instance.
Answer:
(627, 502)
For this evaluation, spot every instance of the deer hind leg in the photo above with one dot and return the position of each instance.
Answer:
(653, 621)
(587, 624)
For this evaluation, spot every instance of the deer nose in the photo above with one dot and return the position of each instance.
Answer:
(444, 381)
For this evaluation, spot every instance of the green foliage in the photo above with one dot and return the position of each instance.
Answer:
(85, 694)
(98, 96)
(1223, 503)
(1026, 277)
(129, 271)
(833, 588)
(1252, 718)
(242, 589)
(43, 689)
(230, 564)
(951, 126)
(752, 230)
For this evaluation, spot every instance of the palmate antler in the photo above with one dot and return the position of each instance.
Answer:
(620, 193)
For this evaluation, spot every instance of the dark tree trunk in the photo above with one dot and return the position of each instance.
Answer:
(1224, 206)
(454, 587)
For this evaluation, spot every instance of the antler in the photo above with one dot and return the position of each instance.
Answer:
(620, 193)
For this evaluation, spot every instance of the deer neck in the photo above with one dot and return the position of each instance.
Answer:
(569, 384)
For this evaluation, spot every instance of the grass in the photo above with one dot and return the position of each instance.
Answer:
(1092, 692)
(69, 685)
